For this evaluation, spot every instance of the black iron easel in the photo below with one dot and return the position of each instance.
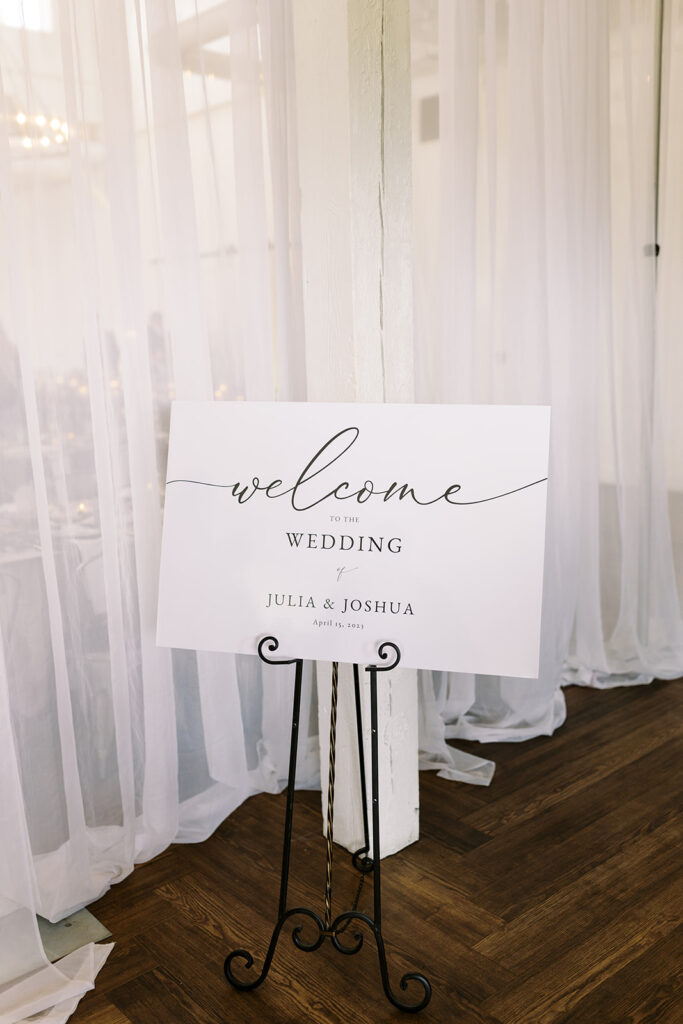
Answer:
(329, 928)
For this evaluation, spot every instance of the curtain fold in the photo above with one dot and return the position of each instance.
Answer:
(153, 241)
(149, 248)
(538, 191)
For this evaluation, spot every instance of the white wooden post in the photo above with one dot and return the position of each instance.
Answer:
(353, 120)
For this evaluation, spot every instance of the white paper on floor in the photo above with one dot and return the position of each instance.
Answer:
(71, 933)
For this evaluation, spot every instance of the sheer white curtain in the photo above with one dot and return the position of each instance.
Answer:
(148, 250)
(535, 281)
(150, 247)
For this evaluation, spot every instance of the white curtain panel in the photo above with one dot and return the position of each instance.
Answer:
(537, 191)
(163, 167)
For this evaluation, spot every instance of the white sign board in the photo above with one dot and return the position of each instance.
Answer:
(334, 527)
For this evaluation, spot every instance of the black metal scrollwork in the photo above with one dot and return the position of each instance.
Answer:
(383, 653)
(272, 645)
(243, 954)
(333, 933)
(387, 652)
(361, 861)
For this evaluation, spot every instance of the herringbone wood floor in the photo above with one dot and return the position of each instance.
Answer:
(552, 897)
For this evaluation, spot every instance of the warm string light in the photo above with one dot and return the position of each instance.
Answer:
(58, 128)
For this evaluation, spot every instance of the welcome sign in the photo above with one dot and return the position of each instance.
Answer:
(334, 527)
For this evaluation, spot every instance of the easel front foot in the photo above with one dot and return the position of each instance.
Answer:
(339, 927)
(410, 976)
(245, 955)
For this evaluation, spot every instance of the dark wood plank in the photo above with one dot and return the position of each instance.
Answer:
(160, 996)
(525, 862)
(562, 984)
(551, 897)
(127, 907)
(597, 757)
(648, 990)
(542, 933)
(127, 961)
(101, 1010)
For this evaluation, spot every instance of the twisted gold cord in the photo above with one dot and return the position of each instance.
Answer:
(330, 795)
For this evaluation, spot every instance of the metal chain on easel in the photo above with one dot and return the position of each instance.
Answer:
(354, 905)
(330, 795)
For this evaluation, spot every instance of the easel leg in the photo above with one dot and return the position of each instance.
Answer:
(283, 913)
(361, 860)
(376, 854)
(291, 779)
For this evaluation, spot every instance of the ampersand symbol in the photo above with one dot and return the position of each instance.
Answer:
(328, 603)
